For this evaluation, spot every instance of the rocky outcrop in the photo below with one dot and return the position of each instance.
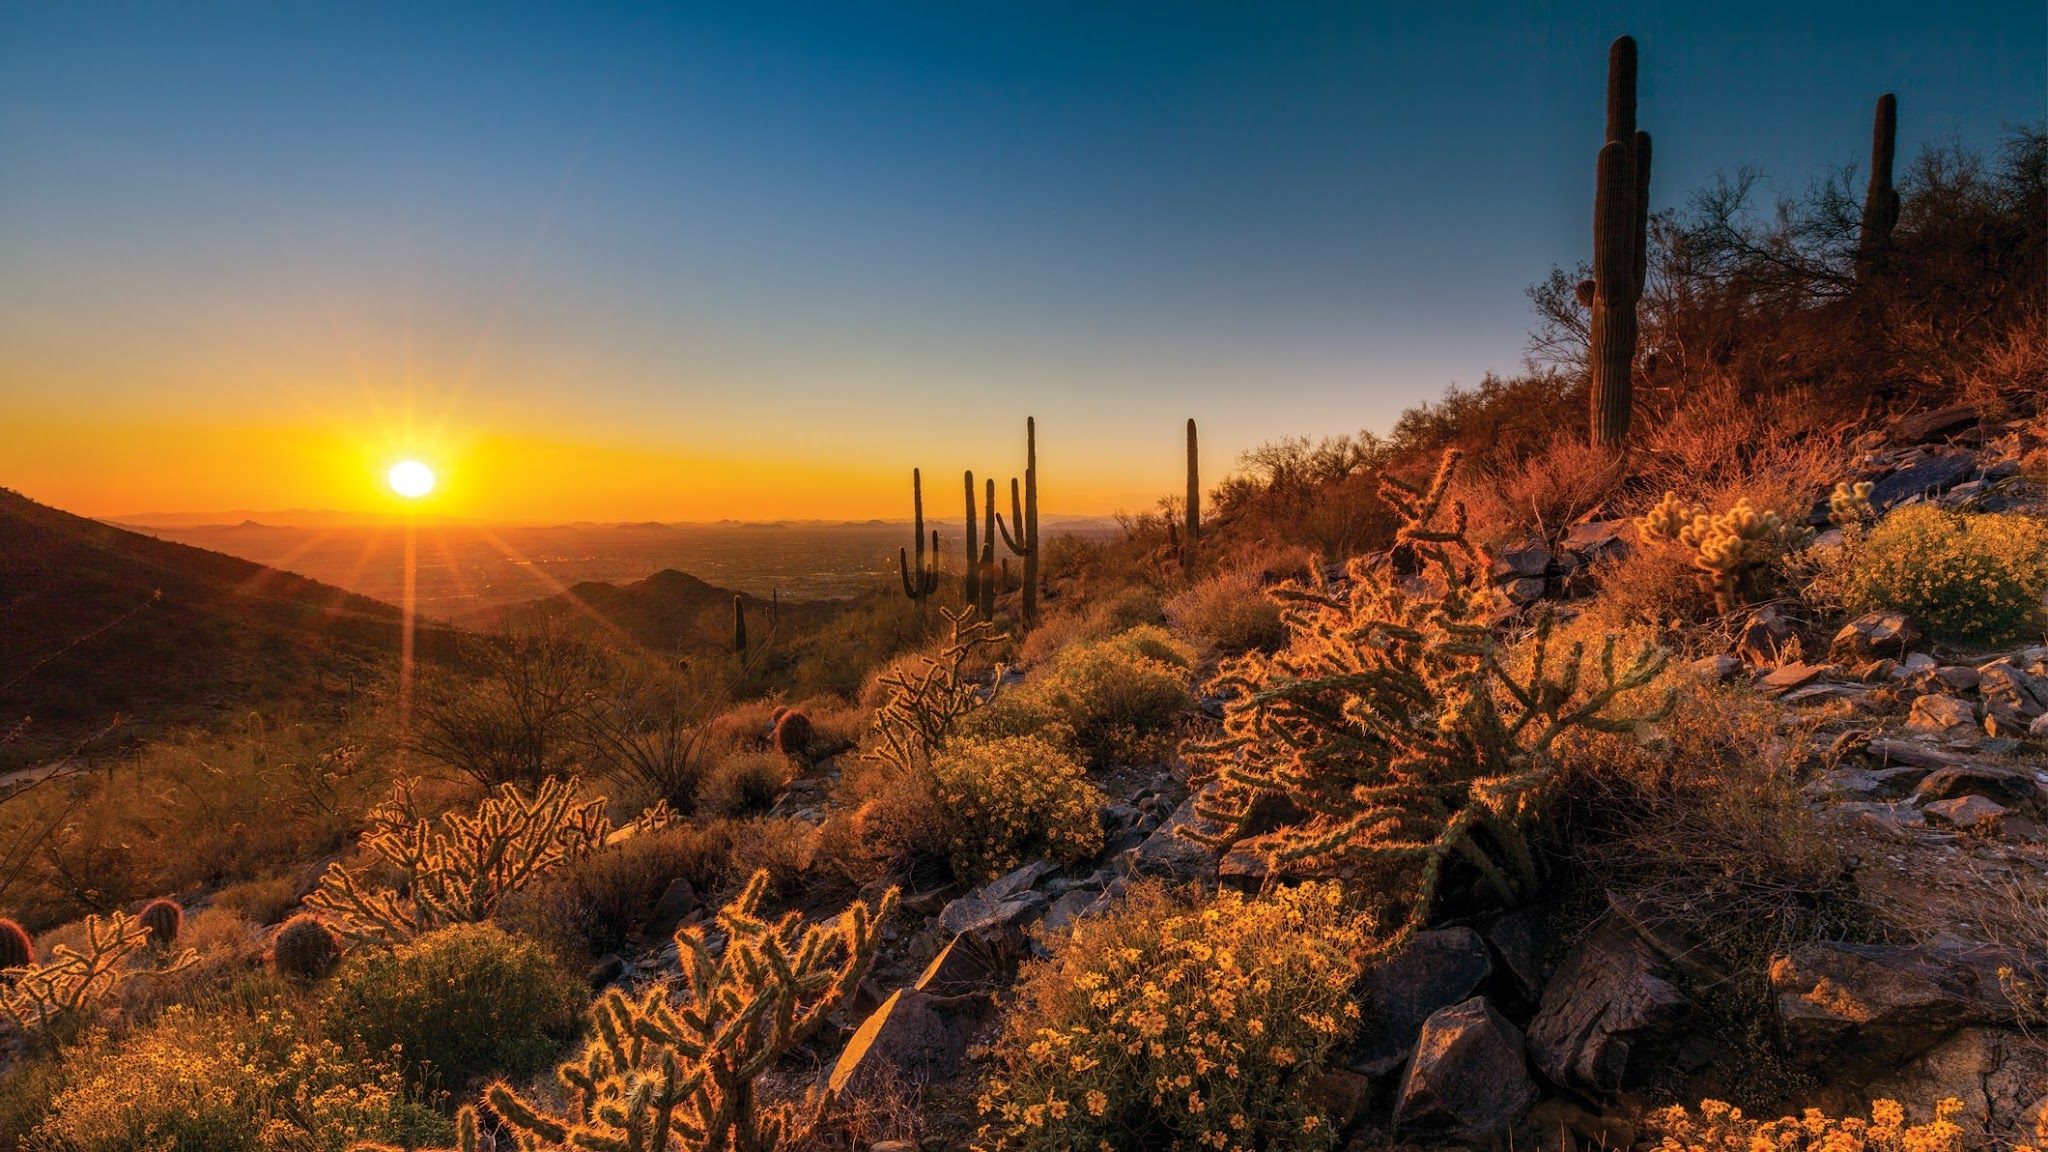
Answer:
(1875, 1006)
(913, 1037)
(1435, 970)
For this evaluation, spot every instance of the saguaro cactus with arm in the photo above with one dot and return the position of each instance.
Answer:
(1024, 514)
(1621, 216)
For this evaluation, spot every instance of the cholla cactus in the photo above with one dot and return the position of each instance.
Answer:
(74, 981)
(1670, 517)
(1393, 724)
(460, 868)
(661, 1075)
(1849, 505)
(924, 706)
(1728, 550)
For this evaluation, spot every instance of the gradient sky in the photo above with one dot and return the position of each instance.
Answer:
(759, 259)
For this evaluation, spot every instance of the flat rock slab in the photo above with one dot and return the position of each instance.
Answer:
(1877, 1005)
(1436, 969)
(1786, 677)
(1875, 634)
(1167, 854)
(913, 1037)
(2007, 786)
(1469, 1074)
(1941, 714)
(1933, 473)
(1609, 1015)
(1965, 812)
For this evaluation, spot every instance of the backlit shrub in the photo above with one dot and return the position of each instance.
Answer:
(1230, 610)
(459, 1003)
(1121, 696)
(1720, 1128)
(229, 1083)
(1170, 1026)
(1007, 801)
(1968, 578)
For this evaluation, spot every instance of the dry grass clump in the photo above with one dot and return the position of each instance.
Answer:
(593, 903)
(1230, 611)
(744, 783)
(1113, 609)
(1168, 1024)
(1542, 493)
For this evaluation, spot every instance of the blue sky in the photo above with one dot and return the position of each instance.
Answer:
(863, 236)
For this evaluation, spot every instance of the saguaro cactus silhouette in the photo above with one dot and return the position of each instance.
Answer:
(1024, 514)
(970, 584)
(739, 624)
(989, 587)
(919, 582)
(1880, 199)
(1621, 216)
(1193, 536)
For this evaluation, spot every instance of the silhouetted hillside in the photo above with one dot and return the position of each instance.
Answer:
(97, 621)
(670, 611)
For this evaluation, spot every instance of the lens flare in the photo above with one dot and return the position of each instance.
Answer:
(410, 479)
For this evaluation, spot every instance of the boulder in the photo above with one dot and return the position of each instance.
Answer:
(1874, 634)
(1595, 537)
(1938, 424)
(2000, 1077)
(1521, 940)
(1525, 590)
(2007, 786)
(1965, 812)
(1609, 1015)
(1341, 1096)
(966, 966)
(1436, 969)
(1783, 679)
(2039, 728)
(1940, 714)
(1016, 883)
(1528, 557)
(1469, 1074)
(1715, 669)
(678, 900)
(1764, 637)
(2003, 682)
(1872, 1006)
(913, 1037)
(1171, 856)
(972, 915)
(1935, 472)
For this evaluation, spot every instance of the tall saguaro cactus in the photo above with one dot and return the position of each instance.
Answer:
(919, 582)
(1024, 514)
(989, 587)
(1621, 217)
(739, 624)
(1880, 199)
(1190, 551)
(970, 584)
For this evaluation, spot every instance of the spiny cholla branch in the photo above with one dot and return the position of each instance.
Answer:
(460, 868)
(1393, 728)
(76, 980)
(924, 705)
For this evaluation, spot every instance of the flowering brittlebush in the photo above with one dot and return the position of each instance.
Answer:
(1010, 800)
(1969, 578)
(1167, 1026)
(1720, 1128)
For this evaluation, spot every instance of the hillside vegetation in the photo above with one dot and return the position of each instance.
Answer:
(1495, 781)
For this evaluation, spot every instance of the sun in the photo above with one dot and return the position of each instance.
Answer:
(410, 479)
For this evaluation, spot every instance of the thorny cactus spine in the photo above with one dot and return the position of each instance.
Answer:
(659, 1071)
(164, 920)
(305, 948)
(1880, 199)
(1621, 214)
(458, 869)
(1849, 504)
(1393, 723)
(919, 582)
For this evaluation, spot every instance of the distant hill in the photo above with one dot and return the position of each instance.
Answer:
(669, 611)
(97, 621)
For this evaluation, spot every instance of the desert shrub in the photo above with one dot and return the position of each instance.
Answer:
(778, 849)
(517, 719)
(593, 903)
(1720, 1128)
(264, 901)
(1113, 609)
(1970, 578)
(466, 1001)
(1542, 493)
(1164, 1025)
(740, 783)
(229, 1082)
(1122, 696)
(1231, 611)
(1006, 801)
(1019, 713)
(1399, 730)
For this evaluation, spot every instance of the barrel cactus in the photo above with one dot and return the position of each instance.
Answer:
(165, 920)
(305, 948)
(16, 949)
(793, 734)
